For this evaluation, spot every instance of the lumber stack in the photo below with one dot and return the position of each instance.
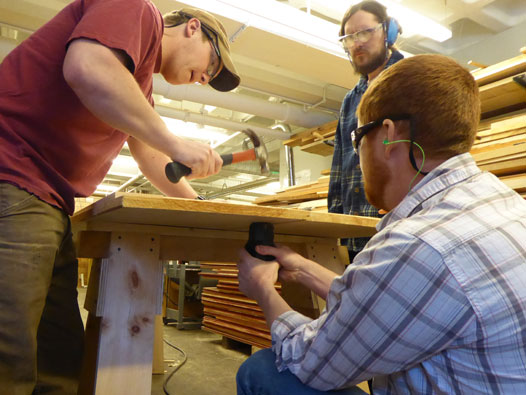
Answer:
(501, 86)
(314, 140)
(311, 196)
(228, 312)
(500, 146)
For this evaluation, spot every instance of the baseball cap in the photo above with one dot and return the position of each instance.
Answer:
(228, 78)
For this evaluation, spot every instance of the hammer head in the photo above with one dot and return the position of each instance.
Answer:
(260, 150)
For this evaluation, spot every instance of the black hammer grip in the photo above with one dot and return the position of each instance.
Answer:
(175, 170)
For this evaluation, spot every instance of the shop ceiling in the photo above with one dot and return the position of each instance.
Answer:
(287, 82)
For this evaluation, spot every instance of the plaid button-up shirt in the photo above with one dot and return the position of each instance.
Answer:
(434, 304)
(346, 193)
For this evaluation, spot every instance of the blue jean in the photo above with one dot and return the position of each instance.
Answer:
(258, 375)
(41, 331)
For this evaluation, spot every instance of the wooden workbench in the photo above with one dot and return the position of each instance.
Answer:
(129, 235)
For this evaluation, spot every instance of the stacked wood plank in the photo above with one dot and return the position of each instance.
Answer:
(313, 140)
(500, 146)
(315, 192)
(228, 312)
(500, 93)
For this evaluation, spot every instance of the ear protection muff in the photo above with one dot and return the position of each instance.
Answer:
(392, 29)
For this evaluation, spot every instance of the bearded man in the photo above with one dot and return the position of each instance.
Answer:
(368, 35)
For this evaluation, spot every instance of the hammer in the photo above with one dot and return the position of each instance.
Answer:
(175, 170)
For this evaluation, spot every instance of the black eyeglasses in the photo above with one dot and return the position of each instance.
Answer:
(215, 62)
(358, 133)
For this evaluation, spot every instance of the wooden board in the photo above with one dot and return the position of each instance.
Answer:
(501, 96)
(140, 209)
(216, 293)
(226, 326)
(516, 182)
(308, 136)
(319, 148)
(500, 70)
(224, 306)
(237, 318)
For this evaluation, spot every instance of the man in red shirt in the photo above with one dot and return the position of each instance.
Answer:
(70, 96)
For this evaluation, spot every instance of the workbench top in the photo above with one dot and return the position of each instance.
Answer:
(142, 209)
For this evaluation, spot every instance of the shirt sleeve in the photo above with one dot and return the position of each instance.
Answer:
(396, 306)
(133, 26)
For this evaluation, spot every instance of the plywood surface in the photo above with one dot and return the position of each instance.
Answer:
(141, 209)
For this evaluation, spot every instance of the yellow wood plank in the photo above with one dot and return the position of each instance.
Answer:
(500, 70)
(296, 140)
(318, 148)
(501, 95)
(139, 209)
(516, 182)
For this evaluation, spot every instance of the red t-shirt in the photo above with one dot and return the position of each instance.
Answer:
(50, 144)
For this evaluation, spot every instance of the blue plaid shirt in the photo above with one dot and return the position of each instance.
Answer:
(346, 194)
(434, 304)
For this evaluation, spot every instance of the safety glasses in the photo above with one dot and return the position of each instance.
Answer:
(358, 133)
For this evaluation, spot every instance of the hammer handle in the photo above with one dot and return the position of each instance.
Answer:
(175, 171)
(236, 157)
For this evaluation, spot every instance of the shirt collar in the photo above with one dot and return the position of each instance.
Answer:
(442, 177)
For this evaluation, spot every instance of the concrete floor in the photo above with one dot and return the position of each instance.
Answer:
(210, 367)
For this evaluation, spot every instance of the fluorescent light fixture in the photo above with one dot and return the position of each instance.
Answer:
(213, 136)
(287, 21)
(280, 19)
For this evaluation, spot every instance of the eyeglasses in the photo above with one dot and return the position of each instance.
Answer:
(358, 133)
(215, 56)
(362, 36)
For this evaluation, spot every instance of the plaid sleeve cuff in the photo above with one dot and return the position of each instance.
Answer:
(281, 328)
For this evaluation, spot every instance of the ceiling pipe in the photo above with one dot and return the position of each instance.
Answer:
(289, 156)
(203, 119)
(283, 112)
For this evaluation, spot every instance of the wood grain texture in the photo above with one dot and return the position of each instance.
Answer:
(133, 273)
(140, 209)
(500, 70)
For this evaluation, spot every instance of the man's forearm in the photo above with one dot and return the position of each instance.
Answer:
(316, 277)
(152, 163)
(272, 304)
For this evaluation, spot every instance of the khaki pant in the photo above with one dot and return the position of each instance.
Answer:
(41, 331)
